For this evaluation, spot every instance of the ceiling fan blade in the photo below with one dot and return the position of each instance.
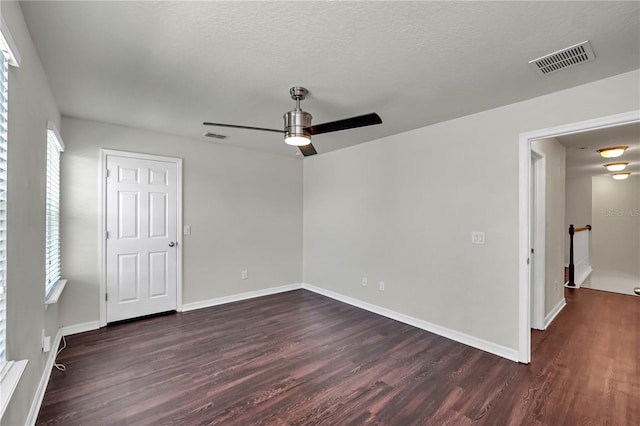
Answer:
(242, 127)
(307, 150)
(348, 123)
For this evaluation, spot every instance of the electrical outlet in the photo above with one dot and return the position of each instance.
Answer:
(381, 285)
(364, 281)
(244, 274)
(46, 343)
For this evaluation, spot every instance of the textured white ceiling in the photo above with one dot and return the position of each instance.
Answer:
(583, 158)
(169, 66)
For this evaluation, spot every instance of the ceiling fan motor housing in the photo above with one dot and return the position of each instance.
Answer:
(296, 122)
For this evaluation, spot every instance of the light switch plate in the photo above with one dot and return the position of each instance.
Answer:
(477, 237)
(187, 230)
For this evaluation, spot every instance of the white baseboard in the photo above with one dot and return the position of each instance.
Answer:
(502, 351)
(238, 297)
(554, 313)
(44, 381)
(80, 328)
(584, 276)
(578, 281)
(46, 373)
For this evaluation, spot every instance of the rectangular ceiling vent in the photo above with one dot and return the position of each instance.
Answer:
(214, 135)
(563, 59)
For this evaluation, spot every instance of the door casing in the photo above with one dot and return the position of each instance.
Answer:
(104, 153)
(538, 237)
(524, 217)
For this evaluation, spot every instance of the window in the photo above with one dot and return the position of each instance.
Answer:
(52, 266)
(10, 371)
(4, 66)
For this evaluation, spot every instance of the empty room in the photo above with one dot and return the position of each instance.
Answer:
(319, 212)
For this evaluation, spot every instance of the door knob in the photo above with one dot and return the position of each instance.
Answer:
(171, 244)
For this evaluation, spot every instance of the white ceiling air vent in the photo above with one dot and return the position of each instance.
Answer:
(565, 58)
(214, 135)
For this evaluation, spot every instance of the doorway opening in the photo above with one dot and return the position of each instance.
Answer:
(526, 218)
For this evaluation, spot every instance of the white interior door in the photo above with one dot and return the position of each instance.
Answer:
(141, 245)
(538, 239)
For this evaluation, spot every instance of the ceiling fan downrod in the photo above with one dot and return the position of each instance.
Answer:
(298, 94)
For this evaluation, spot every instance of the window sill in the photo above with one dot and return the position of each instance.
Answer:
(56, 292)
(9, 382)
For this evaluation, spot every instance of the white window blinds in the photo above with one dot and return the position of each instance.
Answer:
(4, 65)
(52, 266)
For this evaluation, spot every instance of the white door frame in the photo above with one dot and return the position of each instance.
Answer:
(539, 224)
(104, 153)
(524, 219)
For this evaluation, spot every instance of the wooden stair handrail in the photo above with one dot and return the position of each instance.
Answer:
(584, 228)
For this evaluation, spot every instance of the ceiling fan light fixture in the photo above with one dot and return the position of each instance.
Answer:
(620, 176)
(613, 151)
(296, 122)
(297, 140)
(616, 167)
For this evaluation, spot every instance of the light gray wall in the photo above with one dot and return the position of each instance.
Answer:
(578, 207)
(31, 105)
(555, 155)
(616, 234)
(401, 209)
(244, 208)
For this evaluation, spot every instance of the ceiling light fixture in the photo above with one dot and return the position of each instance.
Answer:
(613, 151)
(616, 167)
(620, 176)
(297, 140)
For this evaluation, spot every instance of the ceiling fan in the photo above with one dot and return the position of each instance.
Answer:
(297, 124)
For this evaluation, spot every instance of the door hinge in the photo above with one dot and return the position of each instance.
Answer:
(106, 297)
(106, 175)
(106, 235)
(527, 260)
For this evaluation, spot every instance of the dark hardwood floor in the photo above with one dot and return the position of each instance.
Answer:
(300, 358)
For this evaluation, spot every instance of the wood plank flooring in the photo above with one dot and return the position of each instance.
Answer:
(298, 358)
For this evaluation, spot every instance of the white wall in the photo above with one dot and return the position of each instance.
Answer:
(244, 208)
(31, 105)
(578, 207)
(555, 155)
(401, 209)
(616, 234)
